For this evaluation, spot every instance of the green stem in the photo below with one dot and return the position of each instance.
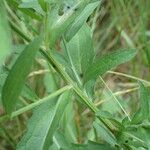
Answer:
(61, 70)
(37, 103)
(87, 101)
(17, 30)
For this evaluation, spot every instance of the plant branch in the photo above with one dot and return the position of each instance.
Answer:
(35, 104)
(61, 70)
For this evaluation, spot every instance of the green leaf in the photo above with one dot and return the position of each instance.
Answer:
(37, 127)
(110, 117)
(89, 87)
(132, 139)
(42, 4)
(59, 141)
(26, 11)
(80, 20)
(144, 133)
(57, 115)
(28, 93)
(68, 124)
(143, 112)
(137, 117)
(107, 62)
(105, 134)
(5, 41)
(60, 24)
(144, 96)
(43, 124)
(3, 75)
(17, 75)
(33, 4)
(79, 51)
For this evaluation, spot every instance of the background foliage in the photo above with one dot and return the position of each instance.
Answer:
(74, 74)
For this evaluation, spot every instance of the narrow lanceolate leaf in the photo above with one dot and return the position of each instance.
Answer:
(27, 11)
(42, 4)
(80, 20)
(79, 50)
(143, 113)
(32, 4)
(57, 115)
(105, 133)
(5, 42)
(43, 124)
(17, 75)
(144, 96)
(58, 26)
(107, 62)
(37, 128)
